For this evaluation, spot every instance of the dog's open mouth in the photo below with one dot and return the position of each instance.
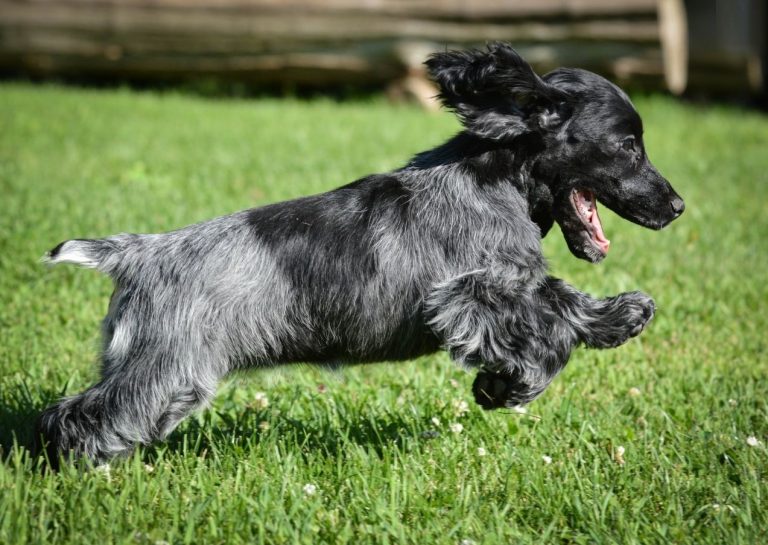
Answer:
(585, 204)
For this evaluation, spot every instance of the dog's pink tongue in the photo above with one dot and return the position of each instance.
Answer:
(598, 234)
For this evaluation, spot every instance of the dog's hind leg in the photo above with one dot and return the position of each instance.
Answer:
(152, 377)
(111, 417)
(136, 406)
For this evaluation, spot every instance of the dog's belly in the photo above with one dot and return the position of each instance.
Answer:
(359, 337)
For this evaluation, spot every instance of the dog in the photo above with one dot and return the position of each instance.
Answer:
(443, 253)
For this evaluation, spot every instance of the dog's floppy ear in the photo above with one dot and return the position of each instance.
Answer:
(495, 93)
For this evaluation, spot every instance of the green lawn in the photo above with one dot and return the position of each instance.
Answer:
(379, 443)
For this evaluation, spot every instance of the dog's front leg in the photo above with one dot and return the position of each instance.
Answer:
(510, 330)
(599, 323)
(523, 338)
(566, 317)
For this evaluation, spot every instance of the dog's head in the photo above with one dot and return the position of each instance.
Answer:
(587, 137)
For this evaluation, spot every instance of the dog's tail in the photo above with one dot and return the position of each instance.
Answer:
(104, 254)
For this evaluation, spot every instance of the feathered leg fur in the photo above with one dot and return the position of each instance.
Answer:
(523, 339)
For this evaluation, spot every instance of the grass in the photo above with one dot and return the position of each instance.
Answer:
(376, 441)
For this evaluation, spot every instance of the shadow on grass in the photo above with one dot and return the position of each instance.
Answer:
(18, 412)
(327, 438)
(240, 430)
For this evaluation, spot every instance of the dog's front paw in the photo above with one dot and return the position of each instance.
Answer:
(628, 315)
(493, 390)
(639, 309)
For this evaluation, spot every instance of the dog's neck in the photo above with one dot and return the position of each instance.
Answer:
(481, 161)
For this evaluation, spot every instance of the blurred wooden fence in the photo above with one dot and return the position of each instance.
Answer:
(329, 42)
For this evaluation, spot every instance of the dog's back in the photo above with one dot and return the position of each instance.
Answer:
(320, 279)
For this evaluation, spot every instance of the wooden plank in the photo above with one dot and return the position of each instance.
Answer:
(315, 42)
(314, 27)
(473, 9)
(366, 64)
(673, 30)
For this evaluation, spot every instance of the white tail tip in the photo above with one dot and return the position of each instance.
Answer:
(72, 251)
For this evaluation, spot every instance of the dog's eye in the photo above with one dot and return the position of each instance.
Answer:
(628, 144)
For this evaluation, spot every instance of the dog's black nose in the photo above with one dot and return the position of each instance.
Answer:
(678, 205)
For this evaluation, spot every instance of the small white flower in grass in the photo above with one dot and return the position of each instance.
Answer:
(454, 383)
(752, 441)
(263, 425)
(456, 427)
(309, 489)
(732, 402)
(467, 542)
(547, 459)
(105, 470)
(634, 392)
(481, 451)
(260, 400)
(436, 421)
(461, 407)
(149, 468)
(519, 409)
(618, 455)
